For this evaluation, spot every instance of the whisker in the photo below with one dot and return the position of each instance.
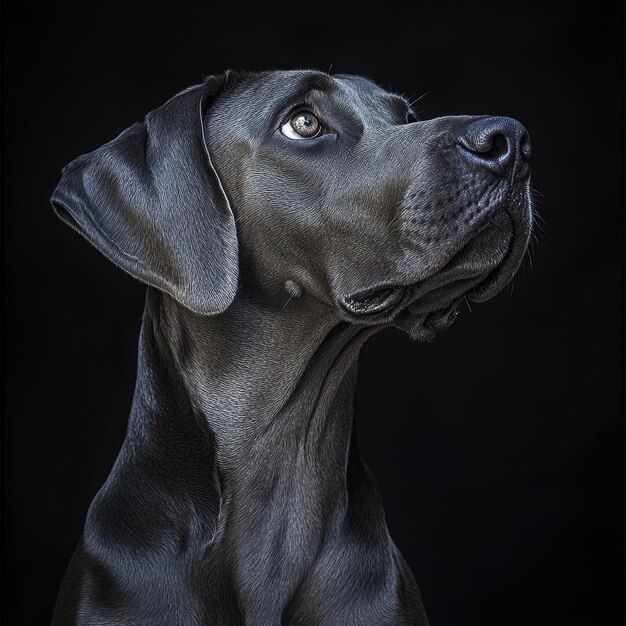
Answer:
(539, 216)
(286, 303)
(511, 289)
(414, 100)
(536, 192)
(538, 229)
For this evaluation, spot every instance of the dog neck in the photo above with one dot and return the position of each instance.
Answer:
(242, 424)
(272, 391)
(260, 377)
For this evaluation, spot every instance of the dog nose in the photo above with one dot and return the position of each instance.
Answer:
(499, 144)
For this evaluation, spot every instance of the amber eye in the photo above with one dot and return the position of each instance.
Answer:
(302, 125)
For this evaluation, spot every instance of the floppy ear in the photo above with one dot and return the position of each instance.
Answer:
(151, 202)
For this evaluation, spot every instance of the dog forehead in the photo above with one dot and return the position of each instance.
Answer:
(266, 92)
(271, 90)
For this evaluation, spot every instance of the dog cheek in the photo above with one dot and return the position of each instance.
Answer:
(280, 222)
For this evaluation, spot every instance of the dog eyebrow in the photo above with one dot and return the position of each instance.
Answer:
(315, 82)
(307, 84)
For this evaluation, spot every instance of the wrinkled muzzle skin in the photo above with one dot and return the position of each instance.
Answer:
(405, 222)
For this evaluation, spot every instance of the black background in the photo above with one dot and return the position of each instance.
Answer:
(498, 447)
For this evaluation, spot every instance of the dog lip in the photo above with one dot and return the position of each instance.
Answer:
(493, 284)
(441, 297)
(373, 301)
(501, 275)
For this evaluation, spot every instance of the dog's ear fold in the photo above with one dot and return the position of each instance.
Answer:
(151, 202)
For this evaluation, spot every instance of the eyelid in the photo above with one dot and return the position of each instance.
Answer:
(296, 109)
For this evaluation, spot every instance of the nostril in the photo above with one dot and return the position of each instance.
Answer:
(489, 143)
(497, 146)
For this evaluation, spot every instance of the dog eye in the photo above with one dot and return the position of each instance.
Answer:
(302, 125)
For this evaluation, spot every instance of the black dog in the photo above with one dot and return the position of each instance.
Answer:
(280, 219)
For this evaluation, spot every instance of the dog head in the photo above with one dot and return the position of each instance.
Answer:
(327, 183)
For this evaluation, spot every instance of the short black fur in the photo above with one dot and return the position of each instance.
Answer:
(238, 496)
